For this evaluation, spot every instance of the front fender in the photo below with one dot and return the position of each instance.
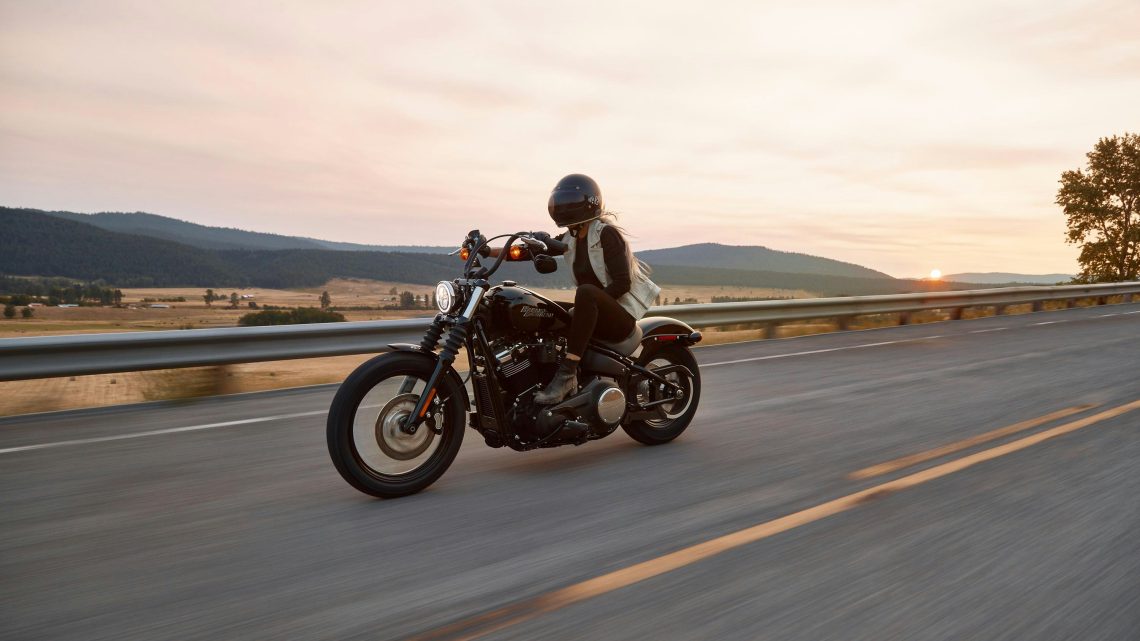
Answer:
(409, 347)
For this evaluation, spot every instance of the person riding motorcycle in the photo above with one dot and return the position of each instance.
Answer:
(613, 288)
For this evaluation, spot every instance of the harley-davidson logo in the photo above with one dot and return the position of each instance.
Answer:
(535, 312)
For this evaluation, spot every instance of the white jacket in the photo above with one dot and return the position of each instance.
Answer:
(642, 291)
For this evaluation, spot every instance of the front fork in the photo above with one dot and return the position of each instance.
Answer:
(456, 338)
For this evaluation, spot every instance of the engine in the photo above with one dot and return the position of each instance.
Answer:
(522, 366)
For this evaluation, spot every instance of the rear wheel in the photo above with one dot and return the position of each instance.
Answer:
(365, 439)
(672, 417)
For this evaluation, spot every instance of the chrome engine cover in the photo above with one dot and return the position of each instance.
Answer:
(610, 405)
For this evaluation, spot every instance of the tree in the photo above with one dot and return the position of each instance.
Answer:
(326, 300)
(26, 312)
(208, 297)
(1102, 205)
(234, 300)
(407, 300)
(9, 311)
(118, 297)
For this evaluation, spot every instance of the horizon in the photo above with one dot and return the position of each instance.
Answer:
(941, 276)
(902, 139)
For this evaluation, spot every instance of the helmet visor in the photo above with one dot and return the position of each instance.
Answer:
(570, 207)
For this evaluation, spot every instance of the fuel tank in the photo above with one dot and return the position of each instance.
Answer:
(516, 309)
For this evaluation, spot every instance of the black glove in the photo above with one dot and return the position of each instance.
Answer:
(540, 235)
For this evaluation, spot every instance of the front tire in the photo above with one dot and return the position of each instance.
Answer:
(365, 443)
(673, 417)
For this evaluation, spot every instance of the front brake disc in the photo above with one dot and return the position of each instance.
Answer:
(395, 442)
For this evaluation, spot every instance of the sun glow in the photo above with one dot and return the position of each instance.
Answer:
(935, 274)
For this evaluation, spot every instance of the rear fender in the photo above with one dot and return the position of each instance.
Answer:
(409, 347)
(660, 331)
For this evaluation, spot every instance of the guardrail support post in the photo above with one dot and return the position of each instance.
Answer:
(1070, 303)
(1101, 300)
(904, 318)
(1038, 305)
(768, 330)
(999, 310)
(844, 322)
(1127, 298)
(956, 313)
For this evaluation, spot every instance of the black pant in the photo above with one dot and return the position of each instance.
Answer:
(596, 313)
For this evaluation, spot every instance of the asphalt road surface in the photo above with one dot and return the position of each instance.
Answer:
(963, 480)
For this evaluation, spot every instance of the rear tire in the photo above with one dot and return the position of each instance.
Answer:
(676, 416)
(364, 444)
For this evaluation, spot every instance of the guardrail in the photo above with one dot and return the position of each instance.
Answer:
(50, 356)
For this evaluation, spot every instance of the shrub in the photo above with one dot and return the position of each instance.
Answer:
(297, 316)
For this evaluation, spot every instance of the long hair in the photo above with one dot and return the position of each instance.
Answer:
(636, 264)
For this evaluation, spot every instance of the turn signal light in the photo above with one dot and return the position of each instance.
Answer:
(464, 254)
(516, 252)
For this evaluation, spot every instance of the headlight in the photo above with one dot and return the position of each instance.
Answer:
(445, 297)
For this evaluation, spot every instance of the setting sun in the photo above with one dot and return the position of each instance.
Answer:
(935, 274)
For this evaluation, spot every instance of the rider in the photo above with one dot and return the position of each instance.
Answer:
(613, 288)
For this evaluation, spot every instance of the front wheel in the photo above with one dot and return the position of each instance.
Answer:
(365, 439)
(671, 418)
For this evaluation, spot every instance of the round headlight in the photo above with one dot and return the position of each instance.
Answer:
(445, 296)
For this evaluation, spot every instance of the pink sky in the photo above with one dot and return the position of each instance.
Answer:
(900, 136)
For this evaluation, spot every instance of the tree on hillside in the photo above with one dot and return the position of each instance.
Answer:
(118, 297)
(9, 311)
(326, 300)
(407, 300)
(1102, 205)
(234, 299)
(26, 312)
(208, 297)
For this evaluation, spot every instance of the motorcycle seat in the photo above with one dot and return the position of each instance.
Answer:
(625, 346)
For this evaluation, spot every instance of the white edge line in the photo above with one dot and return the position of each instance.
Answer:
(173, 430)
(820, 351)
(983, 331)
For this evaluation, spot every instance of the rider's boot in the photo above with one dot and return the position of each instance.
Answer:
(564, 383)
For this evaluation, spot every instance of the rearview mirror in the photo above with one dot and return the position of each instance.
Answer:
(545, 264)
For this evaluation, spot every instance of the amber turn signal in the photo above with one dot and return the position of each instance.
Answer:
(516, 252)
(464, 254)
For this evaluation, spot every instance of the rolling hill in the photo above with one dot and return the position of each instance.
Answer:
(720, 256)
(34, 242)
(205, 237)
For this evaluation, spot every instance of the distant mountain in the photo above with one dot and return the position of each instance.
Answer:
(33, 242)
(36, 243)
(826, 286)
(1003, 278)
(193, 234)
(755, 258)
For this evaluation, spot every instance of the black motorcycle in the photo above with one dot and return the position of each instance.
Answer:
(397, 421)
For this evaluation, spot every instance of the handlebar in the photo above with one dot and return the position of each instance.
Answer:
(543, 244)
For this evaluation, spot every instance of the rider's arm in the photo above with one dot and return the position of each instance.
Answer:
(617, 257)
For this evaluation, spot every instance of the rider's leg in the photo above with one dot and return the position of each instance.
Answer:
(595, 312)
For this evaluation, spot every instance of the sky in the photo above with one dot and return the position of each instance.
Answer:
(903, 136)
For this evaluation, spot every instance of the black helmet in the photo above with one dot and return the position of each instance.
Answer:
(575, 199)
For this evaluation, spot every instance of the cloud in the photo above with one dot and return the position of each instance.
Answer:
(875, 131)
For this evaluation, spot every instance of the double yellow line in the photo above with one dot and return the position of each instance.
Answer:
(476, 627)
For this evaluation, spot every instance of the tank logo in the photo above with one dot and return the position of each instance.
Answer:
(535, 312)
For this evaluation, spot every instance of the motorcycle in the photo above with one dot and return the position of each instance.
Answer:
(397, 422)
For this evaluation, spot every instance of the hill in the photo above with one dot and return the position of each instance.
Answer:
(33, 242)
(998, 278)
(754, 258)
(205, 237)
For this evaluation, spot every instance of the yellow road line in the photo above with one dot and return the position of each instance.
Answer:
(914, 459)
(476, 627)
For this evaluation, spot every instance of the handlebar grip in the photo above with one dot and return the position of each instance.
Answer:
(555, 244)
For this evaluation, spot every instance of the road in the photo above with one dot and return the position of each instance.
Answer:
(223, 519)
